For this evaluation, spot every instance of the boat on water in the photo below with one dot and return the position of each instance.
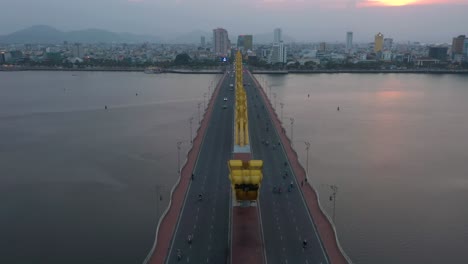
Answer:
(152, 70)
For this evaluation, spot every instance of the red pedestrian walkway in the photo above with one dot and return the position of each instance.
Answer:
(166, 228)
(324, 227)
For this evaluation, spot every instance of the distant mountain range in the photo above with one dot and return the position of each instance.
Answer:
(49, 35)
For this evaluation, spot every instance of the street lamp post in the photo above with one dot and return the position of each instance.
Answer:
(190, 121)
(282, 105)
(307, 159)
(204, 101)
(292, 125)
(333, 197)
(199, 120)
(178, 156)
(274, 95)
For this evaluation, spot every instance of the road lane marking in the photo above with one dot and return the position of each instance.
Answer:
(207, 260)
(188, 259)
(195, 226)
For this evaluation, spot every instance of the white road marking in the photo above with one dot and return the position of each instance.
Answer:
(188, 259)
(207, 260)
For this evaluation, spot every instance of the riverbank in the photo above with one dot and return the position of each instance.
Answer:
(107, 69)
(426, 71)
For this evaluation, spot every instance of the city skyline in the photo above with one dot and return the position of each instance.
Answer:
(305, 21)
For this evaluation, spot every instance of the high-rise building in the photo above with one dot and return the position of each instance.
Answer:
(438, 53)
(349, 42)
(277, 38)
(78, 50)
(202, 41)
(465, 49)
(221, 42)
(458, 44)
(388, 43)
(278, 53)
(245, 42)
(322, 46)
(378, 43)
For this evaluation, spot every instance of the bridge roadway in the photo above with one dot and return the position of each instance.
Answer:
(285, 218)
(208, 220)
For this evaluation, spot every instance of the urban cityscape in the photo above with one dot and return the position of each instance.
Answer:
(380, 53)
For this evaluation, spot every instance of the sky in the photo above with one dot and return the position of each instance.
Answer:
(427, 21)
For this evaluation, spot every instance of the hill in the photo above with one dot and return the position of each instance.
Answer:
(49, 35)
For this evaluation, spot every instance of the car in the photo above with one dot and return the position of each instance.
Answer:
(224, 106)
(225, 98)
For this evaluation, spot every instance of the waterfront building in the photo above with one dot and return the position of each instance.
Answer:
(439, 53)
(78, 50)
(322, 46)
(221, 42)
(388, 43)
(465, 49)
(245, 42)
(202, 41)
(349, 42)
(378, 42)
(458, 44)
(277, 38)
(278, 53)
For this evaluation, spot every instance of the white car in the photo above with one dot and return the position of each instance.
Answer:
(225, 98)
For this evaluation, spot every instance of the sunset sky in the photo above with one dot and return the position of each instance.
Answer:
(304, 20)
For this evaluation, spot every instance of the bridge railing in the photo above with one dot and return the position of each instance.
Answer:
(324, 212)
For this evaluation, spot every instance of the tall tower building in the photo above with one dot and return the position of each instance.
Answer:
(457, 44)
(78, 50)
(388, 43)
(349, 42)
(245, 42)
(378, 43)
(277, 38)
(221, 41)
(202, 41)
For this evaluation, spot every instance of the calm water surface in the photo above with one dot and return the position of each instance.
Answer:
(398, 152)
(78, 183)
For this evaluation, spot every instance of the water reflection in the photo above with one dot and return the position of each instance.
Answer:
(397, 150)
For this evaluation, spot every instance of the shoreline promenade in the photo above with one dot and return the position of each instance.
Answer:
(322, 223)
(169, 219)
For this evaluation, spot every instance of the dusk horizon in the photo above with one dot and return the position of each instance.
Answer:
(304, 21)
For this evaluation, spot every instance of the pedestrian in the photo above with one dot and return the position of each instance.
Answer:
(193, 176)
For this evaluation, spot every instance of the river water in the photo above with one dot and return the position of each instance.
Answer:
(397, 151)
(79, 184)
